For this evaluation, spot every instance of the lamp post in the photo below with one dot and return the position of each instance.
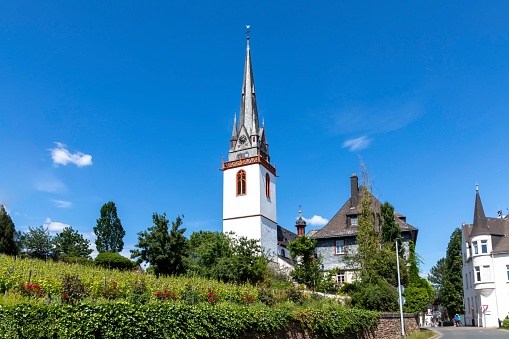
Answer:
(399, 293)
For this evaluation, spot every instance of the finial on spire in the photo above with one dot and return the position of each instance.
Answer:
(300, 211)
(247, 34)
(476, 187)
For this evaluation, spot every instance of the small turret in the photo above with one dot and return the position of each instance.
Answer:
(301, 225)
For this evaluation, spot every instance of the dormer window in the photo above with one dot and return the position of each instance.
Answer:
(484, 246)
(354, 221)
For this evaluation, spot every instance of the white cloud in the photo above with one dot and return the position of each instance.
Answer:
(61, 156)
(54, 226)
(357, 144)
(50, 185)
(316, 220)
(62, 203)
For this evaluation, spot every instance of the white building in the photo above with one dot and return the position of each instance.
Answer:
(249, 179)
(485, 248)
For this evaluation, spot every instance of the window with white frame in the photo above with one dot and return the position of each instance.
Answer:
(339, 246)
(341, 277)
(477, 273)
(354, 221)
(484, 246)
(476, 250)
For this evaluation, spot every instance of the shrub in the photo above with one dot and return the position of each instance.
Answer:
(74, 291)
(505, 323)
(138, 294)
(380, 296)
(114, 261)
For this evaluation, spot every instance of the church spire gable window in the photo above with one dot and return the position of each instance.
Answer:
(241, 182)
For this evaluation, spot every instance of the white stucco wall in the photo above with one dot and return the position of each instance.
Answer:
(252, 215)
(493, 288)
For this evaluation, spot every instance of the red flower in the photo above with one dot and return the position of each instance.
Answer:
(214, 295)
(64, 295)
(208, 294)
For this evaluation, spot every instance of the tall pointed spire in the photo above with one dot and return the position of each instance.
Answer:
(480, 224)
(234, 131)
(248, 109)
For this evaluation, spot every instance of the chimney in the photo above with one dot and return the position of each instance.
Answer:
(354, 190)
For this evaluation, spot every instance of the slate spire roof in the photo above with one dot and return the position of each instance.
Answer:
(480, 224)
(248, 108)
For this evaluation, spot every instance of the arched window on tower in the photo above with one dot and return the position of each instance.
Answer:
(241, 182)
(267, 185)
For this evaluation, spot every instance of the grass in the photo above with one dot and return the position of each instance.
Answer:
(422, 334)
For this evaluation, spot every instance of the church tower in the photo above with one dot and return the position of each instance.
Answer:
(249, 179)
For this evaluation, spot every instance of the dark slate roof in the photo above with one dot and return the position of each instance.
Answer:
(497, 228)
(284, 236)
(480, 224)
(338, 225)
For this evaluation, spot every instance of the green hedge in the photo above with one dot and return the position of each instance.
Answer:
(165, 320)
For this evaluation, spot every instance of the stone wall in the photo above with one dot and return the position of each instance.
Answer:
(389, 327)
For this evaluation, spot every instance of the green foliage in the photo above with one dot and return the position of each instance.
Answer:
(76, 260)
(72, 244)
(37, 243)
(308, 269)
(338, 322)
(419, 293)
(390, 229)
(74, 291)
(114, 261)
(164, 250)
(447, 278)
(8, 234)
(368, 239)
(139, 293)
(375, 295)
(109, 230)
(170, 320)
(226, 257)
(505, 323)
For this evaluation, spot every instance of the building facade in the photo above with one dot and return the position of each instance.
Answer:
(249, 179)
(338, 237)
(485, 249)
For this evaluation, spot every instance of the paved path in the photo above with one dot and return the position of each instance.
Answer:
(470, 332)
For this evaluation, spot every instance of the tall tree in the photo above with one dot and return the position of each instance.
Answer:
(419, 293)
(37, 243)
(368, 239)
(308, 268)
(446, 276)
(451, 294)
(390, 229)
(165, 250)
(71, 243)
(109, 230)
(8, 234)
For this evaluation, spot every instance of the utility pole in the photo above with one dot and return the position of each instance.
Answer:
(399, 293)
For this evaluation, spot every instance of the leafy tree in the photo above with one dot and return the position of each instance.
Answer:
(72, 244)
(8, 234)
(227, 257)
(308, 269)
(419, 293)
(377, 294)
(37, 243)
(109, 230)
(368, 239)
(437, 274)
(165, 250)
(390, 229)
(450, 292)
(114, 261)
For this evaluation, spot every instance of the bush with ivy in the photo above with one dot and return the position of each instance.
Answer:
(114, 261)
(173, 320)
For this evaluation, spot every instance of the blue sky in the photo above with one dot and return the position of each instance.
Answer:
(133, 102)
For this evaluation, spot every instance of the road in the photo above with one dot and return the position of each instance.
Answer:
(470, 332)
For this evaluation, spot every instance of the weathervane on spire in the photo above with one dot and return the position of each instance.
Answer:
(300, 211)
(247, 30)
